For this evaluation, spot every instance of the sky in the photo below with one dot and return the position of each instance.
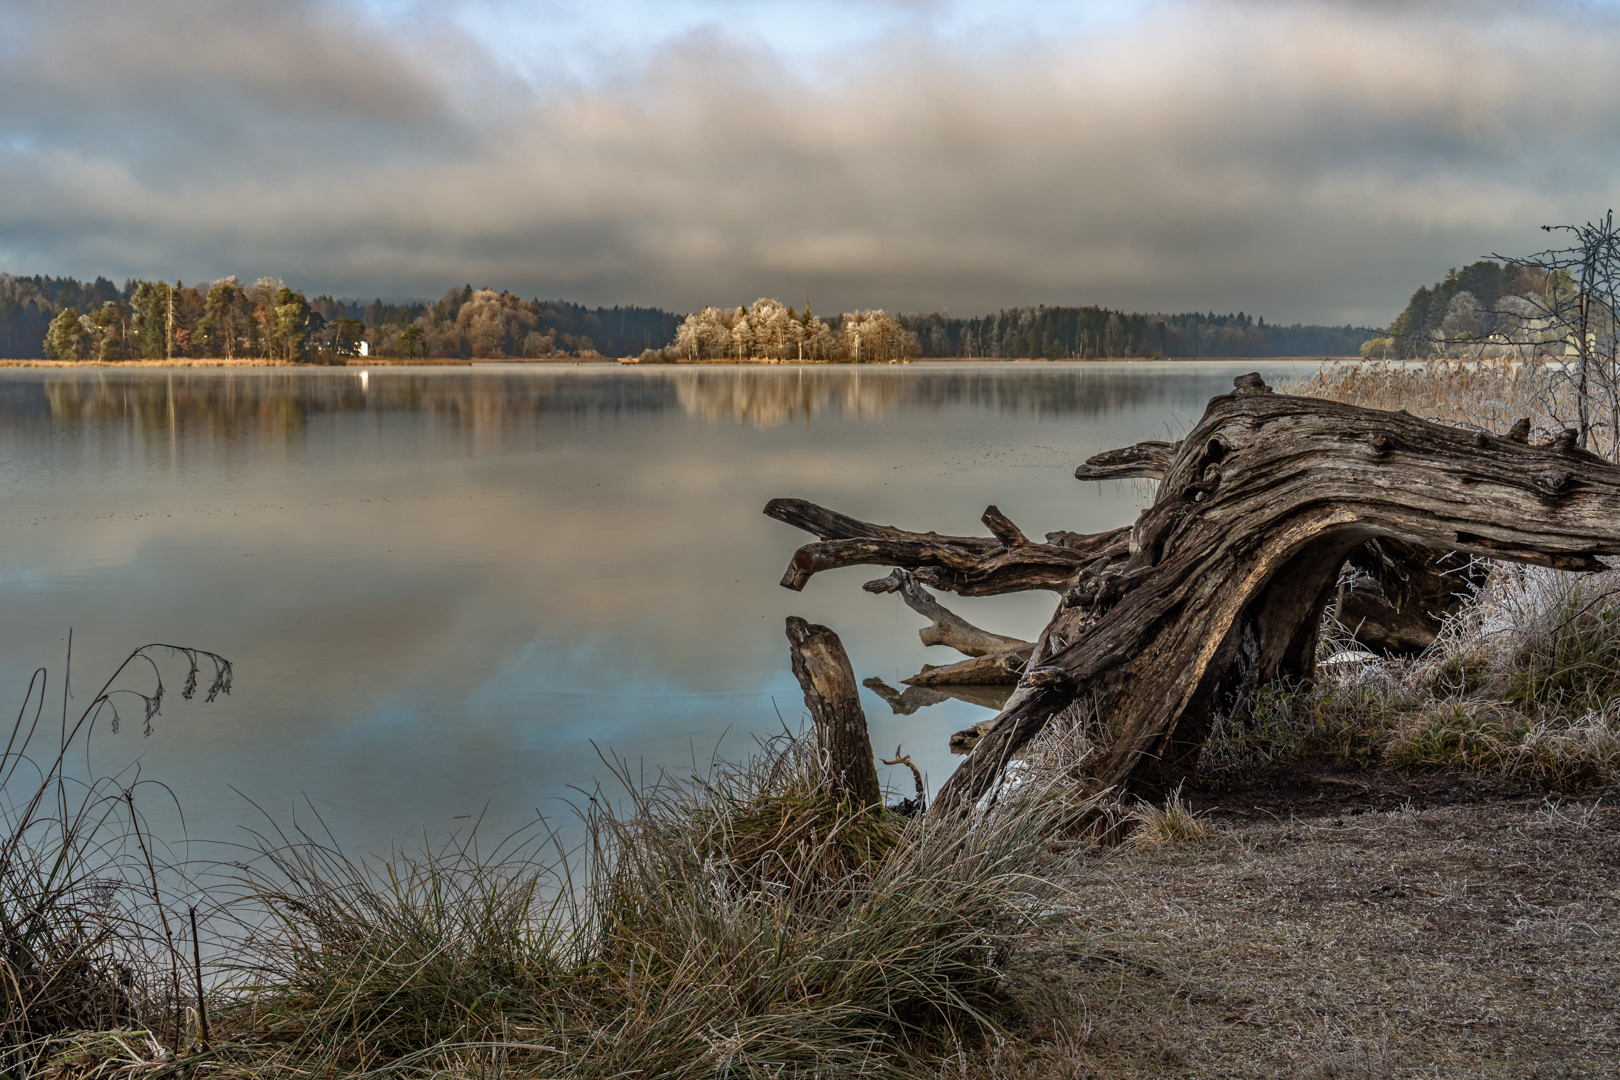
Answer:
(1307, 162)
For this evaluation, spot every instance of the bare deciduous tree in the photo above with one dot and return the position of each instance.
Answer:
(1572, 324)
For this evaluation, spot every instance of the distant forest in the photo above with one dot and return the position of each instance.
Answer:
(1061, 333)
(42, 316)
(1486, 309)
(61, 317)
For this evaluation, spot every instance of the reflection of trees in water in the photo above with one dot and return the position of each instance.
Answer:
(279, 402)
(771, 397)
(264, 402)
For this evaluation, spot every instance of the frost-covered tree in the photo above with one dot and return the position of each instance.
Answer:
(495, 324)
(1575, 301)
(765, 330)
(874, 337)
(1464, 322)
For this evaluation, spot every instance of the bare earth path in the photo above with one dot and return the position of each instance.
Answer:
(1473, 939)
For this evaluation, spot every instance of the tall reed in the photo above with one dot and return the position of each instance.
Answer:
(1490, 395)
(86, 940)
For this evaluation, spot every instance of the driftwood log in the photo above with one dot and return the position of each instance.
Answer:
(1222, 583)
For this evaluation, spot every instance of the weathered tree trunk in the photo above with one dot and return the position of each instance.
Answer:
(822, 667)
(1222, 583)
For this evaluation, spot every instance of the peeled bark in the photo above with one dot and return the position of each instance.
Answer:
(822, 667)
(1223, 581)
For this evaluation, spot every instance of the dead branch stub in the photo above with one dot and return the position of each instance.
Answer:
(822, 667)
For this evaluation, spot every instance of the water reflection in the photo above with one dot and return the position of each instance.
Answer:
(446, 589)
(260, 401)
(904, 703)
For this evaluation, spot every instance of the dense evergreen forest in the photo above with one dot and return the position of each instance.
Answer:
(61, 317)
(1060, 333)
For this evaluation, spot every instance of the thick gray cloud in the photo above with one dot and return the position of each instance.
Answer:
(1301, 161)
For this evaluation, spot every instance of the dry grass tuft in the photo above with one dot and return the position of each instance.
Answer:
(1172, 825)
(88, 902)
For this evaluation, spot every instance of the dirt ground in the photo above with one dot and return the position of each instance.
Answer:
(1340, 925)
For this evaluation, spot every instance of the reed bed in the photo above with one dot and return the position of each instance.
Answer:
(1488, 395)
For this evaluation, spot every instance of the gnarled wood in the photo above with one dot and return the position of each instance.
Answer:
(1233, 565)
(1142, 461)
(1223, 581)
(994, 669)
(1398, 593)
(822, 667)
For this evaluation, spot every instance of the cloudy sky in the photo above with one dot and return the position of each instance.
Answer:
(1302, 161)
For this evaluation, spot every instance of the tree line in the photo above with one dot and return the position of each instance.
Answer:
(1488, 309)
(62, 318)
(767, 330)
(1091, 333)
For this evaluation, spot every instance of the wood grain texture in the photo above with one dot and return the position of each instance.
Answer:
(1231, 567)
(965, 565)
(830, 693)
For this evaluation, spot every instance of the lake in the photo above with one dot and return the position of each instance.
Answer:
(448, 591)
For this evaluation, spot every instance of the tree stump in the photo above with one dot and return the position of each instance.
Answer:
(1222, 583)
(830, 692)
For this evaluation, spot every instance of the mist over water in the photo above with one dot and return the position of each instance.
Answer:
(446, 590)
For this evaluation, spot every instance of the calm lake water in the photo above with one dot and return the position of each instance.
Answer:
(445, 590)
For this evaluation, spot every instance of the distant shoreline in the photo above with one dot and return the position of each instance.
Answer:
(395, 361)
